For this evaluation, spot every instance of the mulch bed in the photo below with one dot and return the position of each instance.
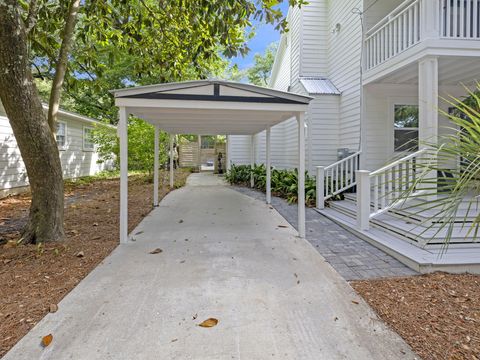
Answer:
(437, 314)
(34, 278)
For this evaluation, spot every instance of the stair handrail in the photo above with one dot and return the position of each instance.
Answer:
(382, 189)
(340, 176)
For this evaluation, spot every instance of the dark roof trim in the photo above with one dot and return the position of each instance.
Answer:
(245, 99)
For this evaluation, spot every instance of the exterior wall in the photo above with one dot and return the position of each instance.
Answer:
(314, 36)
(239, 149)
(345, 48)
(75, 161)
(379, 101)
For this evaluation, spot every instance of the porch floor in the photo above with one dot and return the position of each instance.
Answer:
(224, 256)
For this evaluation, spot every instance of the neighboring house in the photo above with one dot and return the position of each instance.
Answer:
(77, 151)
(376, 70)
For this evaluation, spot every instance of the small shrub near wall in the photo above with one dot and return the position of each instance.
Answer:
(284, 182)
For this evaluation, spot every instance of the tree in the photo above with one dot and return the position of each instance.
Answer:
(174, 38)
(259, 73)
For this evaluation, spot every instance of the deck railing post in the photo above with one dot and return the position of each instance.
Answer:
(363, 199)
(320, 192)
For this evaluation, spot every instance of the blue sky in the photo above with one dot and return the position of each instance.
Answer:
(265, 34)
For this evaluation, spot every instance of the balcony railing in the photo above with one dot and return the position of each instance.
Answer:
(414, 20)
(397, 32)
(460, 19)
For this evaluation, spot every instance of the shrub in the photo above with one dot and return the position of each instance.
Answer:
(284, 182)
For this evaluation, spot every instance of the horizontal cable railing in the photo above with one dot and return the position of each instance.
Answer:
(397, 32)
(460, 19)
(382, 190)
(336, 178)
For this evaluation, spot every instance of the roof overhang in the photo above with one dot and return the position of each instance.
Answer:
(211, 106)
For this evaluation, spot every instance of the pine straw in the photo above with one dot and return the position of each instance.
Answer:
(34, 277)
(437, 314)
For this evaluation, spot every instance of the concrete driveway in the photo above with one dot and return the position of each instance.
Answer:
(224, 256)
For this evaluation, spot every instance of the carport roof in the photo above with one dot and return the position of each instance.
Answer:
(211, 106)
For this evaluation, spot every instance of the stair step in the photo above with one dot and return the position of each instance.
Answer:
(458, 258)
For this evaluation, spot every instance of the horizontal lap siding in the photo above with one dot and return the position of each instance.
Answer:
(314, 37)
(344, 68)
(75, 162)
(239, 149)
(379, 101)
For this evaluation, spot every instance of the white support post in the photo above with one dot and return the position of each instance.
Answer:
(428, 109)
(363, 199)
(301, 174)
(320, 187)
(252, 159)
(123, 134)
(269, 167)
(227, 154)
(171, 162)
(156, 166)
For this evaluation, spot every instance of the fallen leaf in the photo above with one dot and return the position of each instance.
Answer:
(194, 317)
(53, 308)
(95, 224)
(156, 251)
(6, 261)
(355, 302)
(174, 340)
(80, 254)
(336, 319)
(209, 323)
(180, 221)
(282, 226)
(182, 262)
(47, 340)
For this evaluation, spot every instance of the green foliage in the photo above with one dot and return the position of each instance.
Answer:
(141, 139)
(451, 176)
(259, 73)
(284, 182)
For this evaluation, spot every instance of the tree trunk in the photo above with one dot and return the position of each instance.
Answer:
(62, 62)
(36, 142)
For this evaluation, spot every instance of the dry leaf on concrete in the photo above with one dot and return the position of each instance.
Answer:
(47, 340)
(156, 251)
(209, 323)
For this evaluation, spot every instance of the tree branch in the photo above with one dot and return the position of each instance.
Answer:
(31, 20)
(61, 68)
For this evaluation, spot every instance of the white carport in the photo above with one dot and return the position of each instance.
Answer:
(209, 107)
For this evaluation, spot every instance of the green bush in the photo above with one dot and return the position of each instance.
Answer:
(284, 182)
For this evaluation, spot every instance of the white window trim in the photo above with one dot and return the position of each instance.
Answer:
(64, 147)
(409, 101)
(83, 138)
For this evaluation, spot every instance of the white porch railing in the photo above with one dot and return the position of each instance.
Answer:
(381, 190)
(336, 178)
(460, 19)
(415, 20)
(397, 32)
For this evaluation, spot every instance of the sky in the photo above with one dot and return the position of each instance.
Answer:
(265, 34)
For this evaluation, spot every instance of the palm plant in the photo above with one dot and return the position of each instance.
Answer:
(450, 175)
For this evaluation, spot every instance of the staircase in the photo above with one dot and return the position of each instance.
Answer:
(409, 231)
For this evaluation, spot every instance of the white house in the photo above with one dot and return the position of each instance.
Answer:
(376, 70)
(77, 151)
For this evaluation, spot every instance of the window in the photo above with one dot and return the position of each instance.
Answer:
(405, 128)
(88, 138)
(61, 134)
(208, 142)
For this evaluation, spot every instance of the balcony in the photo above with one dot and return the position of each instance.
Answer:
(416, 21)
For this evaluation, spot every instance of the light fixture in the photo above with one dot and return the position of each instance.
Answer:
(337, 28)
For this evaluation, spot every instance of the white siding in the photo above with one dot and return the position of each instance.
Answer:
(75, 161)
(239, 149)
(379, 101)
(344, 67)
(314, 35)
(294, 42)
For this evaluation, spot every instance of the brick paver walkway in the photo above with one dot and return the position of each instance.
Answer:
(352, 257)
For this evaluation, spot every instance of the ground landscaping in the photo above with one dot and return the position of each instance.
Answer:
(437, 314)
(34, 278)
